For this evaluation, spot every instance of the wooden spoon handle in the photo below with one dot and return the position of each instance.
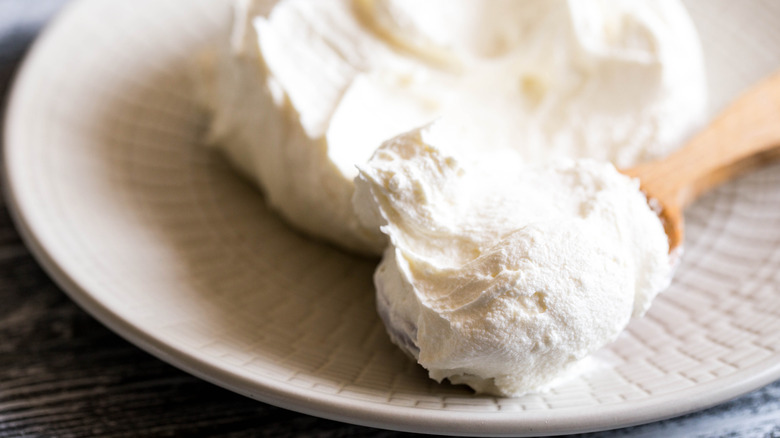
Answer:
(745, 136)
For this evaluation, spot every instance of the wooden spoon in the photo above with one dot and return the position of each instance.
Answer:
(745, 136)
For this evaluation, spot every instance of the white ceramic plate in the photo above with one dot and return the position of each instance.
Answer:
(154, 235)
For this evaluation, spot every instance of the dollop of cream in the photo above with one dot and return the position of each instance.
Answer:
(502, 274)
(305, 90)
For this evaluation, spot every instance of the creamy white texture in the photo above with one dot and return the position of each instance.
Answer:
(500, 274)
(307, 89)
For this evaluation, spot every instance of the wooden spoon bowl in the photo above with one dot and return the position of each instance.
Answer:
(744, 137)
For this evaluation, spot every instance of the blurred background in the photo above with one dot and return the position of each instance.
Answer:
(20, 22)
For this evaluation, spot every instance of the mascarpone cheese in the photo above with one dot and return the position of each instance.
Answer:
(304, 90)
(500, 274)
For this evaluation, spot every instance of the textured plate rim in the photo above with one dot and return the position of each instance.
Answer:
(335, 407)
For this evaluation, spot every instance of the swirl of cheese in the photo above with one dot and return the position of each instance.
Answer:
(305, 90)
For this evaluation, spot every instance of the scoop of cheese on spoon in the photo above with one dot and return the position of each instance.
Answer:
(503, 275)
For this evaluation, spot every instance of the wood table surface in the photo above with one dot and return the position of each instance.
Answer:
(63, 374)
